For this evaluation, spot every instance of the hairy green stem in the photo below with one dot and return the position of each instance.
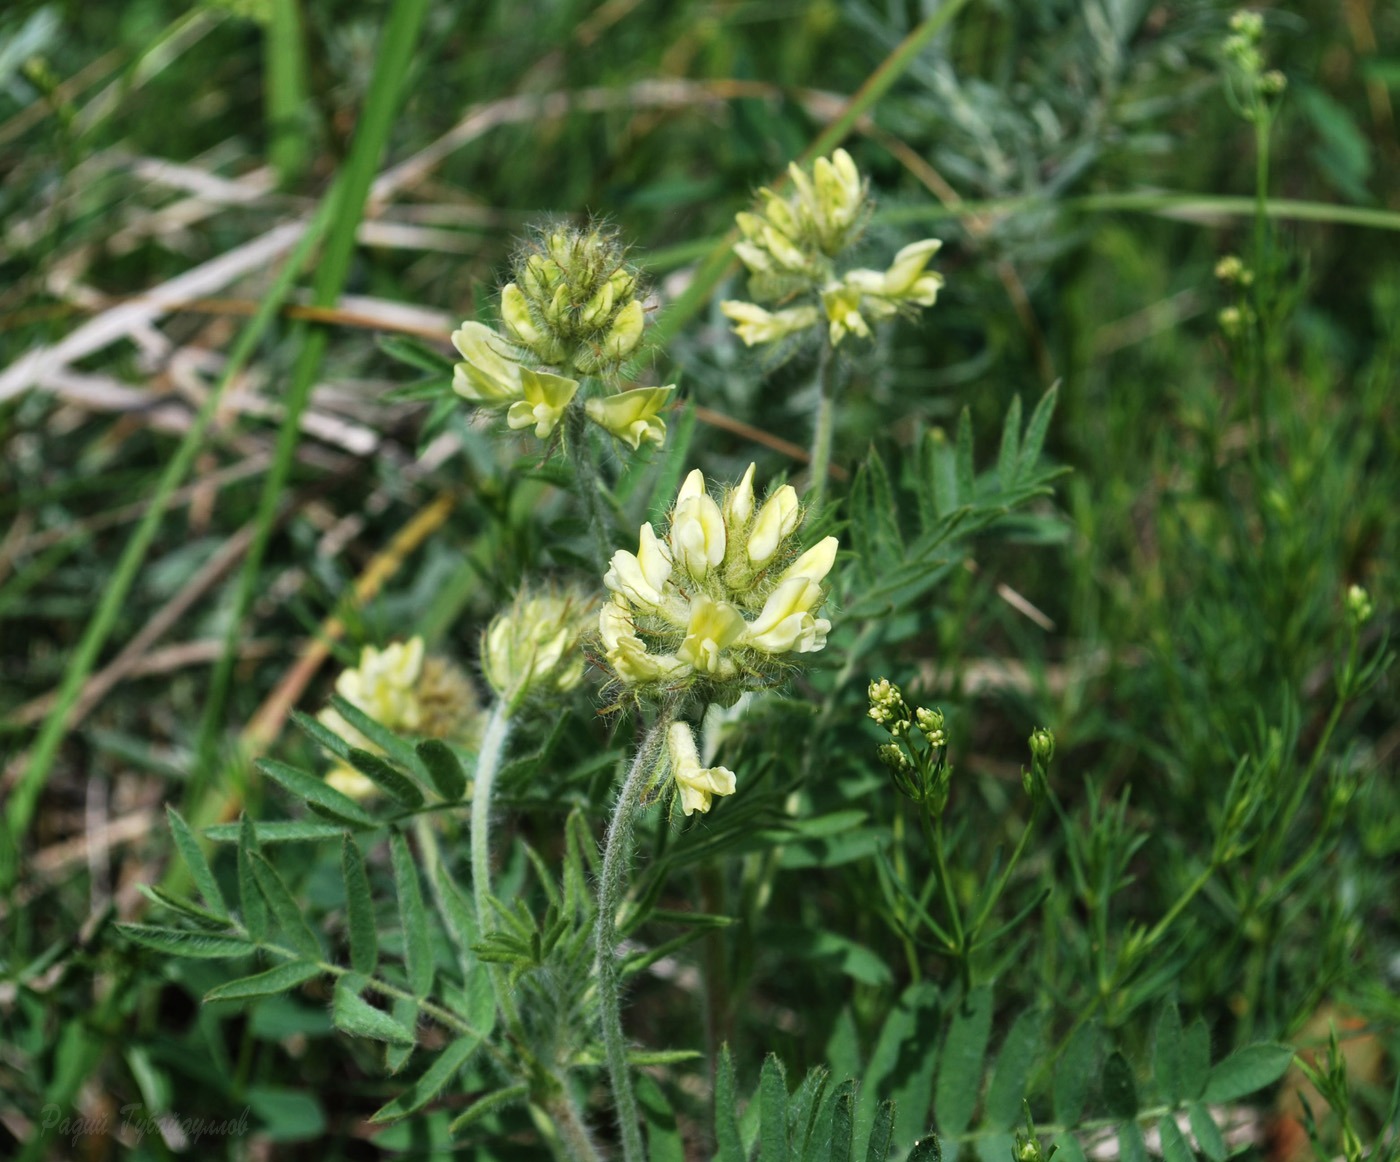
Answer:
(488, 762)
(825, 426)
(617, 857)
(573, 1130)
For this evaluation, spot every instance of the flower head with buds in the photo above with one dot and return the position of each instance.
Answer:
(723, 600)
(534, 646)
(573, 302)
(571, 311)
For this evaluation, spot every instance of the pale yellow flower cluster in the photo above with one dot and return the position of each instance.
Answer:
(789, 245)
(722, 598)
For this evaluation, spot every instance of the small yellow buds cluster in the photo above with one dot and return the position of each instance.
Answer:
(534, 647)
(402, 690)
(921, 772)
(1250, 80)
(572, 311)
(1359, 607)
(695, 785)
(722, 599)
(789, 246)
(1042, 747)
(1231, 270)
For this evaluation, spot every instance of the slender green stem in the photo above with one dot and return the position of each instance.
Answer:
(1005, 877)
(933, 836)
(825, 426)
(589, 481)
(617, 857)
(1263, 265)
(1159, 929)
(901, 869)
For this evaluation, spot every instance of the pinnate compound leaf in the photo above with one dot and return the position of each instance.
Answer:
(731, 1148)
(194, 858)
(1009, 457)
(772, 1112)
(1167, 1054)
(960, 1067)
(1174, 1147)
(417, 946)
(927, 1150)
(279, 831)
(1207, 1133)
(1132, 1147)
(265, 984)
(1018, 1056)
(1074, 1073)
(444, 768)
(359, 908)
(881, 1133)
(1195, 1058)
(387, 778)
(354, 1015)
(250, 899)
(1247, 1070)
(1119, 1088)
(843, 1123)
(664, 1142)
(499, 1100)
(434, 1080)
(186, 942)
(1068, 1148)
(284, 908)
(1035, 432)
(317, 793)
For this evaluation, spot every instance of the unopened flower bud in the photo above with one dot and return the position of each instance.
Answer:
(534, 647)
(1359, 607)
(1042, 744)
(893, 756)
(1247, 23)
(931, 727)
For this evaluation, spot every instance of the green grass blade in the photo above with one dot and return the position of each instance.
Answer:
(347, 202)
(19, 809)
(285, 92)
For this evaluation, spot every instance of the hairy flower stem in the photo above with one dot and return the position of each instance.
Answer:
(617, 857)
(493, 748)
(825, 426)
(573, 1131)
(589, 481)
